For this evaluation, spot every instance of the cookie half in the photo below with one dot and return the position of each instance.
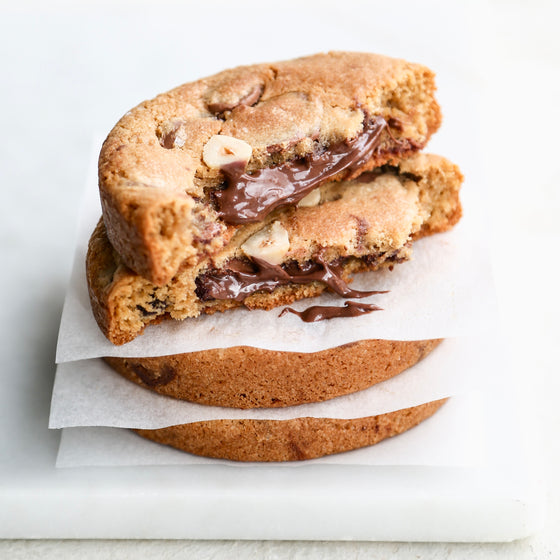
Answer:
(245, 377)
(168, 191)
(298, 252)
(288, 440)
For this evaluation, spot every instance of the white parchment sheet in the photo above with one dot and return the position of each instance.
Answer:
(90, 396)
(444, 291)
(90, 393)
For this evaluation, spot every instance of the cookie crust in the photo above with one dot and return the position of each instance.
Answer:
(246, 377)
(288, 440)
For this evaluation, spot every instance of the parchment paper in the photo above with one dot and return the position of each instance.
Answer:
(445, 291)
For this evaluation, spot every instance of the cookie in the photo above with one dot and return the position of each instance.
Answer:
(246, 377)
(288, 440)
(180, 174)
(295, 252)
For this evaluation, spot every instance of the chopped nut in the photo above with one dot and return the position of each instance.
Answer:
(270, 244)
(222, 150)
(311, 199)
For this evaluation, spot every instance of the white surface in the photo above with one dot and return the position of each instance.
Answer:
(495, 501)
(68, 71)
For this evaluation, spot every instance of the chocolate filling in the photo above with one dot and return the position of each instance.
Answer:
(241, 279)
(323, 312)
(249, 198)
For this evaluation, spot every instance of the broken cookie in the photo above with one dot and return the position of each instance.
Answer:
(180, 173)
(295, 252)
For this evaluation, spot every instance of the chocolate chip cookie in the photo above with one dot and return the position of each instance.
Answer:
(180, 174)
(288, 440)
(246, 377)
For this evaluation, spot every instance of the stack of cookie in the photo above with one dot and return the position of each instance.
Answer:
(257, 187)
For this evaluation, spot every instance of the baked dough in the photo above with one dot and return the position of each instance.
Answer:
(245, 377)
(288, 440)
(156, 187)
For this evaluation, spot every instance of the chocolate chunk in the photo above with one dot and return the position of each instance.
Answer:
(362, 228)
(156, 305)
(249, 100)
(395, 123)
(144, 311)
(154, 378)
(171, 134)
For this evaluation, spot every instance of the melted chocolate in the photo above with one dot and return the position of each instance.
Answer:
(241, 280)
(249, 198)
(323, 312)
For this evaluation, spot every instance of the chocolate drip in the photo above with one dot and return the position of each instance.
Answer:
(323, 312)
(240, 281)
(249, 198)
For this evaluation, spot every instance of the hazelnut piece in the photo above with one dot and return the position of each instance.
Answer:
(223, 150)
(269, 244)
(311, 199)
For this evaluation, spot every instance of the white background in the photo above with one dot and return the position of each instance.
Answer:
(70, 70)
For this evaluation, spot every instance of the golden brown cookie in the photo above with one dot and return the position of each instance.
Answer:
(164, 166)
(288, 440)
(294, 253)
(246, 377)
